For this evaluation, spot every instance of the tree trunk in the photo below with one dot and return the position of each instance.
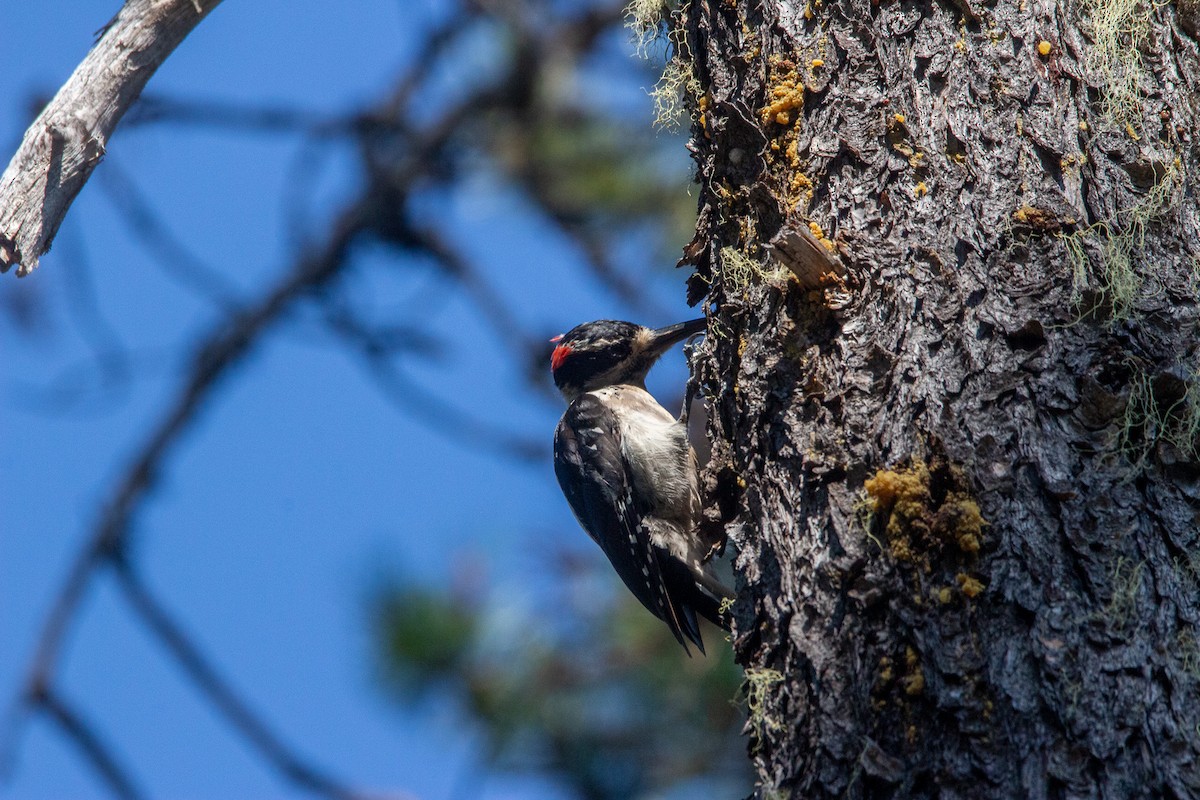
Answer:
(962, 479)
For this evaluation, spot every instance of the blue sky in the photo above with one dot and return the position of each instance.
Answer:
(300, 486)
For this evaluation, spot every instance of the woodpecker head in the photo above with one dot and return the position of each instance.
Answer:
(607, 352)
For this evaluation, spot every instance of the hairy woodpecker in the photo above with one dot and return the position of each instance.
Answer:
(630, 474)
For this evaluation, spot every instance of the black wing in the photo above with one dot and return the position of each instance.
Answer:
(595, 478)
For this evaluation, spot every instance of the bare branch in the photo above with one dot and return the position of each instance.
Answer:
(220, 693)
(88, 742)
(459, 423)
(69, 137)
(601, 264)
(174, 257)
(230, 341)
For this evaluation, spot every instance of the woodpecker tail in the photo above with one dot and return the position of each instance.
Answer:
(712, 600)
(695, 591)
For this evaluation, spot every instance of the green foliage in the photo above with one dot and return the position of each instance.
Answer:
(599, 693)
(426, 636)
(597, 176)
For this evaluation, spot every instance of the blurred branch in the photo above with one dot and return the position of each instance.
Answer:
(377, 345)
(456, 422)
(403, 152)
(381, 211)
(215, 113)
(69, 137)
(173, 256)
(490, 304)
(229, 342)
(89, 743)
(108, 349)
(595, 254)
(220, 693)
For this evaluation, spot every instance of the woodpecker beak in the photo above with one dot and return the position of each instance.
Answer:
(662, 339)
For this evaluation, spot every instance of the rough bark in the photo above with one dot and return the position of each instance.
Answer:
(68, 138)
(963, 479)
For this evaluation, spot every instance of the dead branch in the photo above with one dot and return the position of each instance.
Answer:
(69, 137)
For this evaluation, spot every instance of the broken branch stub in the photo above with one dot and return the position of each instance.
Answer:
(808, 257)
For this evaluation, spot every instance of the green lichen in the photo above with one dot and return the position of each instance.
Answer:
(1114, 270)
(677, 90)
(1119, 30)
(1148, 422)
(738, 270)
(1126, 583)
(759, 683)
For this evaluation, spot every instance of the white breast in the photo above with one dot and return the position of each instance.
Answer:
(661, 460)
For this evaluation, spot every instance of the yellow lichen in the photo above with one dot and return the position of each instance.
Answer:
(945, 595)
(817, 62)
(903, 492)
(920, 190)
(965, 521)
(970, 585)
(787, 94)
(914, 681)
(801, 186)
(898, 119)
(919, 529)
(1037, 218)
(1044, 47)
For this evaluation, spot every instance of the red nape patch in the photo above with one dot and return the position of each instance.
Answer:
(559, 356)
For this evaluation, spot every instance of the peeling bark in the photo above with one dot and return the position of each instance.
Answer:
(68, 138)
(962, 479)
